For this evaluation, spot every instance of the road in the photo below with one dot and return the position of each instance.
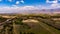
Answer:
(49, 28)
(46, 27)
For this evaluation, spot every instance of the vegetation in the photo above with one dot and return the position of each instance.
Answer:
(46, 25)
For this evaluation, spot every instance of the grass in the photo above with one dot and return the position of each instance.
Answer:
(37, 28)
(33, 28)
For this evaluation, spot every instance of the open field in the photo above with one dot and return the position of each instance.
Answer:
(30, 24)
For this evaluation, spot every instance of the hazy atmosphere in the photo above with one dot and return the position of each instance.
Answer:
(29, 16)
(29, 6)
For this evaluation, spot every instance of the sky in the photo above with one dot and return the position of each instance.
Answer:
(11, 6)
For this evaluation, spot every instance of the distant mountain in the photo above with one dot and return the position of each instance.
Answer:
(36, 11)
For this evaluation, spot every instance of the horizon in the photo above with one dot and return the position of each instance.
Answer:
(21, 6)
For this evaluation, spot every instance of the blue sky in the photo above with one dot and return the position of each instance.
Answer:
(19, 2)
(25, 2)
(45, 3)
(19, 5)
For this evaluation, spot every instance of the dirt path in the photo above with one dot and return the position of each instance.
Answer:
(46, 27)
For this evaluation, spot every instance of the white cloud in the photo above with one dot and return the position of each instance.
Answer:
(47, 1)
(10, 0)
(55, 1)
(17, 2)
(22, 1)
(17, 9)
(56, 5)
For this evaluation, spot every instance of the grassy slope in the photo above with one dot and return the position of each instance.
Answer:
(50, 29)
(37, 28)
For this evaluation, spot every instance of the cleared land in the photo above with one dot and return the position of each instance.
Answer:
(30, 24)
